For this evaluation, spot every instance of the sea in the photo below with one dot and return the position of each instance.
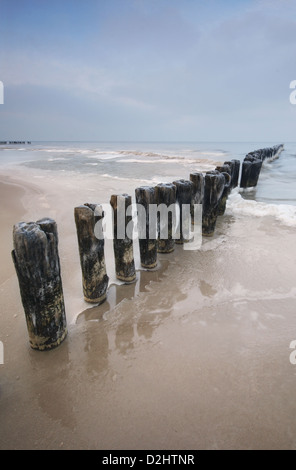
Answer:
(156, 162)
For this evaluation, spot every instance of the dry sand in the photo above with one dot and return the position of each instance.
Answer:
(195, 355)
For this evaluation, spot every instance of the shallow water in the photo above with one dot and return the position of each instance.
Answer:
(154, 161)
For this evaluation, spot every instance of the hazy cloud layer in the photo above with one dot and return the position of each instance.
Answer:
(148, 70)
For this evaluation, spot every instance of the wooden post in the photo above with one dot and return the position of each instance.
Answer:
(235, 176)
(226, 171)
(184, 191)
(122, 243)
(214, 185)
(36, 260)
(252, 164)
(234, 167)
(197, 191)
(145, 196)
(91, 251)
(268, 153)
(166, 197)
(250, 172)
(277, 149)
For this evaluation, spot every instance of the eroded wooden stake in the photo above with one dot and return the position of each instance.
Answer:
(197, 191)
(122, 241)
(36, 259)
(235, 167)
(252, 164)
(145, 197)
(91, 251)
(250, 172)
(226, 171)
(214, 186)
(166, 218)
(184, 191)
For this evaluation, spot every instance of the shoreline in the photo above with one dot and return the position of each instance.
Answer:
(13, 193)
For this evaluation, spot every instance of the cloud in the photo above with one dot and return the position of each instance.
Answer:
(160, 70)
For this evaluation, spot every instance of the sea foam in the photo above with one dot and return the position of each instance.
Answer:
(284, 213)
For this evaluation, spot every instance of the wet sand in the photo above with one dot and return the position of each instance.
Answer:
(195, 355)
(11, 208)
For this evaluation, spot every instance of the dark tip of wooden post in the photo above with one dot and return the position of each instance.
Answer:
(184, 191)
(145, 197)
(122, 243)
(36, 260)
(213, 190)
(166, 197)
(91, 251)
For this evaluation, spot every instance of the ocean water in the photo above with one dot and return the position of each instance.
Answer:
(155, 162)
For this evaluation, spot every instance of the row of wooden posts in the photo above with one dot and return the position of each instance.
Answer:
(36, 257)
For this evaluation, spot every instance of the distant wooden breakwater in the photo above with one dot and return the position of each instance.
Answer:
(36, 258)
(15, 142)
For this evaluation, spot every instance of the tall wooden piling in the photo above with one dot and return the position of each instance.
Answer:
(250, 172)
(147, 228)
(36, 260)
(184, 191)
(213, 190)
(166, 197)
(91, 251)
(122, 240)
(235, 168)
(226, 171)
(197, 191)
(252, 164)
(268, 153)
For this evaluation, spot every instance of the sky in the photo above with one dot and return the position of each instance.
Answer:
(148, 70)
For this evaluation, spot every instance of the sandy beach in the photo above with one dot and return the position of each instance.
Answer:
(194, 355)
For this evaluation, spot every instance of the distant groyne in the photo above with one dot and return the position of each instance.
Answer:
(15, 142)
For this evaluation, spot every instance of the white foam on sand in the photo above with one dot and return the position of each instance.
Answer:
(238, 206)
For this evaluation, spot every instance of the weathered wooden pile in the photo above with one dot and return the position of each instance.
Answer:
(37, 264)
(252, 164)
(36, 257)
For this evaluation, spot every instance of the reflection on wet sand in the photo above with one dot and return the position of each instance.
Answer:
(98, 342)
(120, 292)
(60, 405)
(128, 315)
